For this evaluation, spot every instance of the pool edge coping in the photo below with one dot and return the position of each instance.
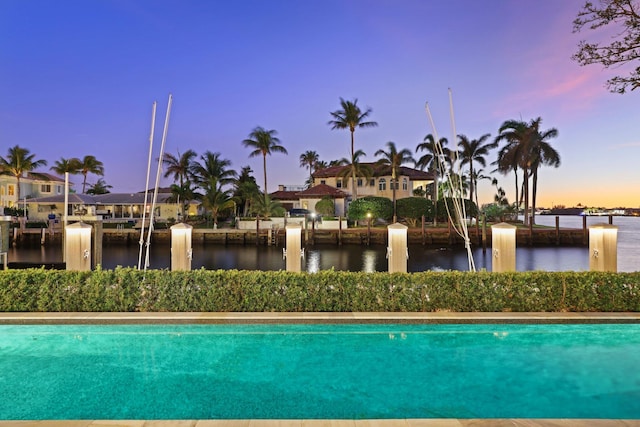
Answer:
(17, 318)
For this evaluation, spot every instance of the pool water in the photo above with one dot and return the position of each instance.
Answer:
(319, 371)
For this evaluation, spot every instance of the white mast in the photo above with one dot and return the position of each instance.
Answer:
(159, 171)
(146, 186)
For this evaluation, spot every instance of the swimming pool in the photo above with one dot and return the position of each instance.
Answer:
(319, 371)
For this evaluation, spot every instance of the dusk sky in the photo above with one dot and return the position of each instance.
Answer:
(79, 77)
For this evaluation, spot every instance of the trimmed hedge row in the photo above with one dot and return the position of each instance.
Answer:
(127, 289)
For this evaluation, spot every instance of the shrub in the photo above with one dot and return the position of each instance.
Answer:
(325, 207)
(411, 209)
(128, 289)
(379, 207)
(469, 206)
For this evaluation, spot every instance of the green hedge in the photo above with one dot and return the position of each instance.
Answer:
(127, 289)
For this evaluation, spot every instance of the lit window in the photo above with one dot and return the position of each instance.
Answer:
(11, 190)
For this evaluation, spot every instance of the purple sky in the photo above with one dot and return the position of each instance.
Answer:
(79, 77)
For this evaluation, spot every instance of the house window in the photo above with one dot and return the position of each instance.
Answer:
(323, 181)
(45, 188)
(359, 182)
(339, 183)
(382, 184)
(372, 182)
(405, 185)
(11, 190)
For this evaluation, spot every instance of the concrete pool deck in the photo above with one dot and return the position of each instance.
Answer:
(221, 318)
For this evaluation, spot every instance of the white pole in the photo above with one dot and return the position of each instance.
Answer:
(159, 171)
(64, 217)
(146, 186)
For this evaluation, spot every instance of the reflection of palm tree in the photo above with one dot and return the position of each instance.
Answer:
(351, 117)
(264, 142)
(474, 151)
(89, 164)
(309, 159)
(394, 159)
(18, 162)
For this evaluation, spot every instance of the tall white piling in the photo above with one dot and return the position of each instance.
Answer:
(603, 247)
(77, 246)
(397, 251)
(293, 251)
(181, 249)
(503, 247)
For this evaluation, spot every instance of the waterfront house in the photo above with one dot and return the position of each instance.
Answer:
(307, 199)
(31, 186)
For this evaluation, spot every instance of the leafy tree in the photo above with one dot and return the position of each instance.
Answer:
(71, 166)
(446, 204)
(325, 207)
(624, 47)
(19, 161)
(351, 117)
(89, 164)
(471, 151)
(100, 187)
(394, 159)
(378, 207)
(309, 159)
(411, 209)
(264, 142)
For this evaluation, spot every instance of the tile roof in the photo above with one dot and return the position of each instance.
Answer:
(320, 190)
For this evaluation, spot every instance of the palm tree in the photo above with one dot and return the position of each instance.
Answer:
(354, 167)
(245, 189)
(474, 151)
(309, 159)
(89, 164)
(510, 157)
(212, 167)
(394, 159)
(264, 142)
(265, 207)
(182, 195)
(19, 161)
(100, 187)
(542, 153)
(527, 149)
(432, 160)
(180, 166)
(351, 117)
(215, 198)
(71, 166)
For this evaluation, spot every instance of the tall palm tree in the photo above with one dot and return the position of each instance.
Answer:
(212, 167)
(179, 166)
(542, 153)
(18, 161)
(517, 135)
(474, 150)
(89, 164)
(71, 166)
(431, 160)
(264, 142)
(351, 117)
(245, 189)
(394, 159)
(309, 159)
(354, 167)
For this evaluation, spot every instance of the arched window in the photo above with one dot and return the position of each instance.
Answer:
(405, 184)
(382, 184)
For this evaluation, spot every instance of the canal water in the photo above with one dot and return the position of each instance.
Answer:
(365, 258)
